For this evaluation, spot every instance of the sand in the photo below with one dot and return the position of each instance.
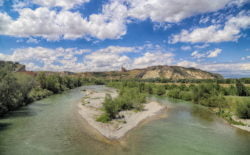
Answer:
(90, 109)
(244, 121)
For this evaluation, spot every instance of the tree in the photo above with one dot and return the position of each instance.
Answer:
(241, 89)
(243, 110)
(10, 94)
(41, 78)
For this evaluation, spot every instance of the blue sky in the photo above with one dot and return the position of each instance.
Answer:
(100, 35)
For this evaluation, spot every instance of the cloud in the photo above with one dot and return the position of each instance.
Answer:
(186, 48)
(215, 33)
(198, 55)
(71, 59)
(172, 10)
(66, 4)
(153, 59)
(110, 23)
(99, 61)
(214, 53)
(245, 58)
(202, 46)
(53, 25)
(208, 54)
(32, 40)
(40, 58)
(226, 69)
(114, 57)
(204, 20)
(111, 58)
(80, 60)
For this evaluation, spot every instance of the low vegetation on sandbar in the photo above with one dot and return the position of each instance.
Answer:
(227, 101)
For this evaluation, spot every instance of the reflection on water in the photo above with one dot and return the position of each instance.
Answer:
(202, 113)
(53, 126)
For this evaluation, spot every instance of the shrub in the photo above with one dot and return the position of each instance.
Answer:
(129, 98)
(38, 93)
(160, 90)
(241, 89)
(243, 110)
(110, 107)
(174, 93)
(104, 118)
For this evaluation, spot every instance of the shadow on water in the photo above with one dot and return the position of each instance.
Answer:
(4, 126)
(23, 112)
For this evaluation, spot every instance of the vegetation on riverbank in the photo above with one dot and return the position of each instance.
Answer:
(212, 95)
(18, 89)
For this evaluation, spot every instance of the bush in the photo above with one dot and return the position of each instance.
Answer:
(241, 89)
(243, 110)
(174, 93)
(38, 93)
(110, 107)
(128, 99)
(104, 118)
(186, 95)
(160, 90)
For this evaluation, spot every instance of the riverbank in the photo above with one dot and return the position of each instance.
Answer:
(232, 119)
(90, 108)
(246, 123)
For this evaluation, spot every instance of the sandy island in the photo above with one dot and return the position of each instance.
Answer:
(91, 107)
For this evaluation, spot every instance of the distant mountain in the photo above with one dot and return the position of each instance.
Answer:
(168, 72)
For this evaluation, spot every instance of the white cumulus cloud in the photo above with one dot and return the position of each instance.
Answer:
(172, 10)
(215, 33)
(153, 59)
(208, 54)
(227, 69)
(66, 4)
(53, 25)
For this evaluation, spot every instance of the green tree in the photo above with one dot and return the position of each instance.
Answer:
(41, 78)
(10, 94)
(241, 89)
(243, 110)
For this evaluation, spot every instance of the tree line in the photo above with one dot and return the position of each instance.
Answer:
(18, 89)
(220, 81)
(206, 94)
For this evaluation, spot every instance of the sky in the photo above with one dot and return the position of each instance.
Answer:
(104, 35)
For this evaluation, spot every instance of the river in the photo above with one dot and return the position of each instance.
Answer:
(52, 126)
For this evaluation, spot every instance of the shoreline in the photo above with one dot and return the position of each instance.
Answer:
(117, 128)
(245, 127)
(246, 122)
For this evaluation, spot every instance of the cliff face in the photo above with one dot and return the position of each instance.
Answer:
(168, 72)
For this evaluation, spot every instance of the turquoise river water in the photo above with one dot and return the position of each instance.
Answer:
(53, 126)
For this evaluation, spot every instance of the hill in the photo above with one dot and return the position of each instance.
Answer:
(168, 72)
(12, 66)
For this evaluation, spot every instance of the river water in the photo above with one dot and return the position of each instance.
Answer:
(52, 126)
